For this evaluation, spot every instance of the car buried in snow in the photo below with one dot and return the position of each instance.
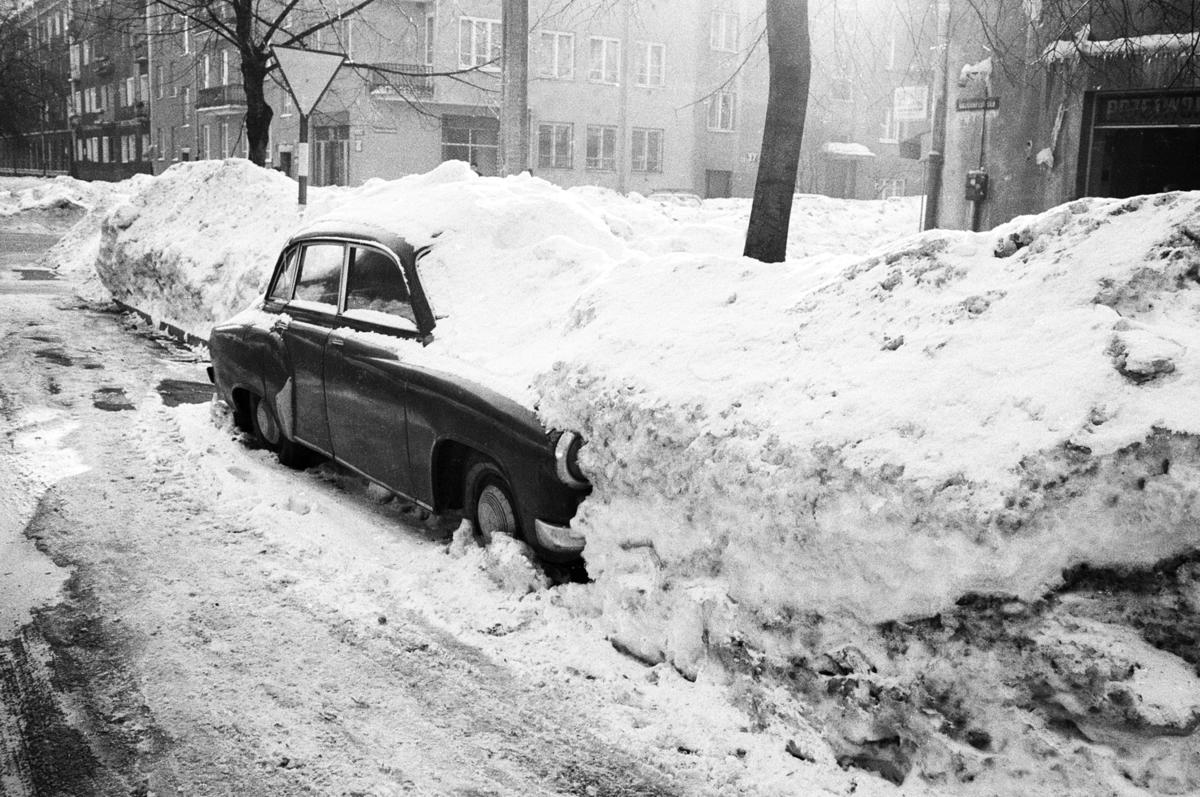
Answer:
(322, 369)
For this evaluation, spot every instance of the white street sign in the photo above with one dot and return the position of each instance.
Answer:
(307, 73)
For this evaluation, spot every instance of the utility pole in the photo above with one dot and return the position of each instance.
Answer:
(937, 139)
(514, 87)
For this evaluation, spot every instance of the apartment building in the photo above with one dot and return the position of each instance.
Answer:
(628, 95)
(634, 97)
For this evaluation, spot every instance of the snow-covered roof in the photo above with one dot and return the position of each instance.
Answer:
(1157, 44)
(846, 149)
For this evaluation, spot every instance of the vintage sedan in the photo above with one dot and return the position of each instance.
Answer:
(326, 367)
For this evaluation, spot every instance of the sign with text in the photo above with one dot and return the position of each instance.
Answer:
(910, 103)
(977, 104)
(1164, 109)
(307, 74)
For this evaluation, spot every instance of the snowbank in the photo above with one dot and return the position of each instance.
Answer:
(779, 451)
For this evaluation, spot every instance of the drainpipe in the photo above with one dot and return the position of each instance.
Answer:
(623, 135)
(937, 143)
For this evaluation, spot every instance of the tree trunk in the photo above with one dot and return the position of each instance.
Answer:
(258, 113)
(789, 57)
(254, 78)
(514, 96)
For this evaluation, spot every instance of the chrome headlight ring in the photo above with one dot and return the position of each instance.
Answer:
(566, 460)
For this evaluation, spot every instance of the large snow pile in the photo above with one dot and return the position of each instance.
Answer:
(23, 195)
(869, 438)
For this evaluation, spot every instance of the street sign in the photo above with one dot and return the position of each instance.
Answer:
(307, 74)
(977, 104)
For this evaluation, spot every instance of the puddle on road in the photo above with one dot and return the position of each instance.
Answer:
(111, 399)
(180, 391)
(56, 356)
(36, 274)
(60, 357)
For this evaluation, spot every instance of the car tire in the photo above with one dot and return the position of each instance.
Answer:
(490, 506)
(269, 435)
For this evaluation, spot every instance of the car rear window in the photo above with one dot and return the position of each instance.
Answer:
(375, 284)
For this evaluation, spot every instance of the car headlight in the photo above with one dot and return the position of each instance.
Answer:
(566, 460)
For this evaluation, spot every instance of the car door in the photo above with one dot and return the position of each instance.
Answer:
(312, 316)
(365, 384)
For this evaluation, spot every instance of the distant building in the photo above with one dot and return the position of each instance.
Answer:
(631, 96)
(869, 104)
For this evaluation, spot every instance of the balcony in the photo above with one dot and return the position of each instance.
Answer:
(136, 112)
(417, 82)
(222, 99)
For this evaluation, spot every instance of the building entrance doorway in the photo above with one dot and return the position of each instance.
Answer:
(1142, 143)
(718, 184)
(331, 155)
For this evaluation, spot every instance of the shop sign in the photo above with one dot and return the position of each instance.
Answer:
(1148, 110)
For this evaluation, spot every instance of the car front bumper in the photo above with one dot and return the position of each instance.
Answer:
(558, 539)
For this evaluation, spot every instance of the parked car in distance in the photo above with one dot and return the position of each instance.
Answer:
(323, 368)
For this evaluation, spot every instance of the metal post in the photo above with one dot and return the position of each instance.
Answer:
(302, 159)
(937, 142)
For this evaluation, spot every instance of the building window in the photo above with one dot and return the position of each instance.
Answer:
(205, 141)
(158, 73)
(651, 64)
(647, 147)
(474, 139)
(722, 111)
(556, 146)
(224, 67)
(602, 148)
(479, 42)
(890, 187)
(224, 140)
(162, 153)
(206, 65)
(144, 87)
(130, 91)
(605, 62)
(557, 55)
(430, 26)
(723, 33)
(105, 149)
(286, 106)
(187, 35)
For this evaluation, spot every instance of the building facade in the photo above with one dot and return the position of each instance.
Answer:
(634, 95)
(1086, 99)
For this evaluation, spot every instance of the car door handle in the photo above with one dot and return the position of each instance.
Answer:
(336, 341)
(280, 325)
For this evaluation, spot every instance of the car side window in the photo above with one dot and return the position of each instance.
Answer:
(282, 290)
(320, 273)
(375, 284)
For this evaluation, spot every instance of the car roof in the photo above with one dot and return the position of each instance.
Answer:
(352, 229)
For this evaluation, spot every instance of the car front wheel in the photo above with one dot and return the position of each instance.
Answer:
(489, 502)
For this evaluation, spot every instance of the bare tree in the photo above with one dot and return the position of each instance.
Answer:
(30, 82)
(789, 57)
